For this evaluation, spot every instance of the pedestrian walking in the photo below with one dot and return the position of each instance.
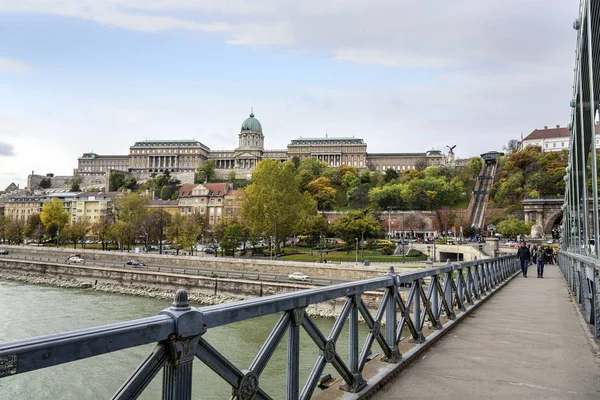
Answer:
(549, 257)
(541, 258)
(524, 257)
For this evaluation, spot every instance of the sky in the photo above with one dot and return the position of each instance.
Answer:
(406, 76)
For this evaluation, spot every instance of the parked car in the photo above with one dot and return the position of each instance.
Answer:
(208, 250)
(3, 251)
(75, 260)
(553, 241)
(135, 263)
(298, 276)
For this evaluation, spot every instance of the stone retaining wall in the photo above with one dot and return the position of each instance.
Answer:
(208, 290)
(215, 263)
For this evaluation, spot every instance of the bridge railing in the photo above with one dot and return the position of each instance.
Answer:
(580, 242)
(582, 274)
(435, 295)
(580, 233)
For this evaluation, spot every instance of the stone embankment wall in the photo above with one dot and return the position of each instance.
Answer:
(203, 290)
(214, 263)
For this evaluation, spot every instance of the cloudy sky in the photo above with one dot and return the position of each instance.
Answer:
(406, 76)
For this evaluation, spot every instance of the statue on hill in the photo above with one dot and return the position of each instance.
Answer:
(450, 159)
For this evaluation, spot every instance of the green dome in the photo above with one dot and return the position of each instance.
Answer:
(251, 124)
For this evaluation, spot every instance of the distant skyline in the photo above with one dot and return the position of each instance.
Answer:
(89, 75)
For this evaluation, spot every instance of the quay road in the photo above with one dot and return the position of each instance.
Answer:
(258, 276)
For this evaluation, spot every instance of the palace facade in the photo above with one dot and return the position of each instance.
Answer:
(157, 156)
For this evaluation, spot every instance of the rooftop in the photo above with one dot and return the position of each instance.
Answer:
(324, 140)
(383, 155)
(549, 133)
(179, 142)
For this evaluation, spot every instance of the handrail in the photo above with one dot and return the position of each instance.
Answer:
(582, 274)
(450, 291)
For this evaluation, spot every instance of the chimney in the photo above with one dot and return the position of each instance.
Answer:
(558, 126)
(546, 127)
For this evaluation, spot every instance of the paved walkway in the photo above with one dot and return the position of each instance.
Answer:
(526, 342)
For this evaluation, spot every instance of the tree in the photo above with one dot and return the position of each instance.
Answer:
(34, 229)
(102, 230)
(54, 216)
(344, 169)
(355, 225)
(14, 230)
(313, 165)
(206, 172)
(273, 204)
(314, 227)
(350, 180)
(76, 232)
(358, 196)
(175, 231)
(513, 227)
(231, 177)
(512, 146)
(296, 161)
(75, 183)
(385, 197)
(132, 209)
(321, 190)
(413, 223)
(3, 225)
(45, 183)
(232, 237)
(193, 228)
(475, 163)
(390, 175)
(116, 179)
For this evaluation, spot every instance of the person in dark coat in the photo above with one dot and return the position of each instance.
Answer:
(541, 258)
(524, 257)
(549, 256)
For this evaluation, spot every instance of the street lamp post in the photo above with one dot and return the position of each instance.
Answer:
(320, 247)
(389, 223)
(362, 246)
(58, 236)
(402, 244)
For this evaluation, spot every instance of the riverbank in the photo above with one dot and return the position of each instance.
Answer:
(324, 310)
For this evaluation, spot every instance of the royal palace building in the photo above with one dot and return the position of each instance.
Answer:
(157, 156)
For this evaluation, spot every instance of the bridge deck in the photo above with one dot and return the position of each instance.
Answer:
(526, 342)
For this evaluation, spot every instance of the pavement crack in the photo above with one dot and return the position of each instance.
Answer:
(450, 376)
(533, 386)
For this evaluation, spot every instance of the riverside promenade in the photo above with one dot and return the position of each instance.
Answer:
(527, 342)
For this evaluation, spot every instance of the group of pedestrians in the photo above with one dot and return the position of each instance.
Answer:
(538, 255)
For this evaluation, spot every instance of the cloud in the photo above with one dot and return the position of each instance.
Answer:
(399, 34)
(390, 59)
(6, 150)
(14, 66)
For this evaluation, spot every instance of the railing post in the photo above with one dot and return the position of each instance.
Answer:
(435, 302)
(181, 348)
(460, 290)
(596, 300)
(390, 321)
(293, 354)
(476, 282)
(417, 313)
(353, 349)
(448, 294)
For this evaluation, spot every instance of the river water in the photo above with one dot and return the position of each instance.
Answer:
(32, 310)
